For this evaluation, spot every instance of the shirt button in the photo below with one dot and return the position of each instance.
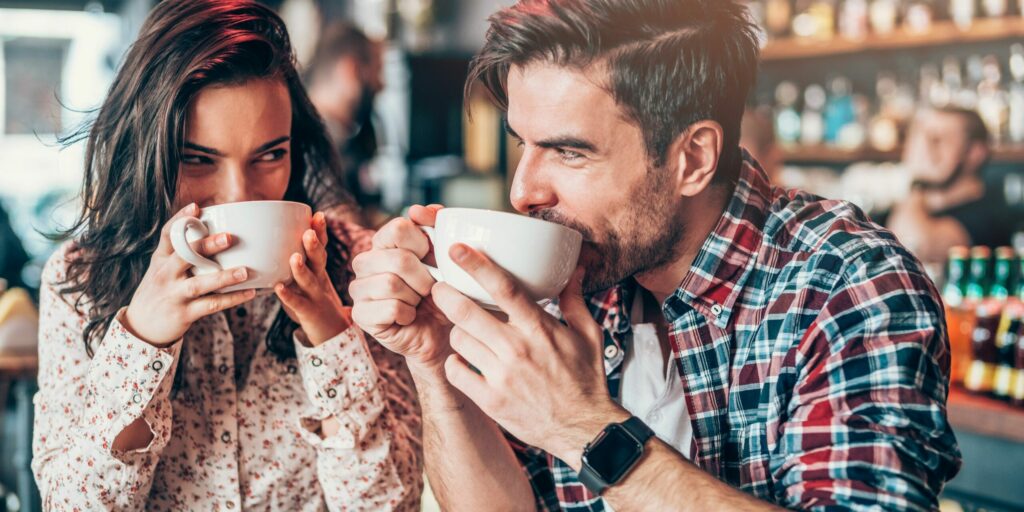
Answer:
(654, 417)
(223, 368)
(157, 365)
(611, 351)
(716, 310)
(226, 437)
(317, 361)
(137, 398)
(331, 393)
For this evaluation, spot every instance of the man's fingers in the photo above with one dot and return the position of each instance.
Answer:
(383, 287)
(164, 246)
(379, 315)
(470, 317)
(506, 291)
(473, 351)
(575, 311)
(464, 379)
(215, 303)
(400, 262)
(204, 284)
(402, 233)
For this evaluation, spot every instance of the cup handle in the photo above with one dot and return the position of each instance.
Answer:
(184, 231)
(434, 271)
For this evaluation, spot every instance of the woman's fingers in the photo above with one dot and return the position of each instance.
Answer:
(198, 286)
(217, 302)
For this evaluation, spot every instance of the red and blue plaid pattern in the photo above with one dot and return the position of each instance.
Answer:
(813, 352)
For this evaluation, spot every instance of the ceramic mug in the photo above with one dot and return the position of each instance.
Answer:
(266, 234)
(541, 255)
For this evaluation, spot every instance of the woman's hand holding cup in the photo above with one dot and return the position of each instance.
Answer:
(168, 300)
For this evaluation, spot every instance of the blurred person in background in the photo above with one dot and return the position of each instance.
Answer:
(343, 78)
(949, 204)
(13, 257)
(158, 392)
(757, 136)
(723, 345)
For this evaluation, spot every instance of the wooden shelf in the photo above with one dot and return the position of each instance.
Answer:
(830, 155)
(942, 33)
(985, 416)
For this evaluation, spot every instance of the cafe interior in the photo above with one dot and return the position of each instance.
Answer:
(852, 97)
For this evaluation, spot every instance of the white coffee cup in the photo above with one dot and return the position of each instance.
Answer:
(266, 234)
(541, 255)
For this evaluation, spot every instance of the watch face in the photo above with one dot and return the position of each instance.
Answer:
(613, 453)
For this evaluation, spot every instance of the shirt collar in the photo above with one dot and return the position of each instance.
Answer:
(724, 263)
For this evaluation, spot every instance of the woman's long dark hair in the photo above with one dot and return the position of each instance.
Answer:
(135, 141)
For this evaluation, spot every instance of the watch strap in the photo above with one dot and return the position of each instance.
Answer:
(590, 478)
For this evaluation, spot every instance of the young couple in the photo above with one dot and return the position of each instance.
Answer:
(724, 344)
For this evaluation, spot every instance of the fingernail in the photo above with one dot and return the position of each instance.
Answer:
(241, 273)
(191, 207)
(223, 240)
(297, 258)
(458, 252)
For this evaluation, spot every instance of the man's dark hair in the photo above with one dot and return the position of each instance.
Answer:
(670, 63)
(974, 125)
(340, 39)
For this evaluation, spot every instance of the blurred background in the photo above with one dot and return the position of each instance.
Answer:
(912, 109)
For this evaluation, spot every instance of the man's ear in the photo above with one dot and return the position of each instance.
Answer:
(696, 154)
(977, 154)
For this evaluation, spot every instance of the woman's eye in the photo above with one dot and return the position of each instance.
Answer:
(196, 160)
(272, 156)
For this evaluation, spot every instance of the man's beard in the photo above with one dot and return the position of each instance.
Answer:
(646, 240)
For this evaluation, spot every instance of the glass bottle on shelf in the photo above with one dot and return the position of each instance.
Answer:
(995, 8)
(1015, 123)
(993, 104)
(812, 121)
(883, 14)
(984, 355)
(1002, 273)
(778, 14)
(853, 20)
(883, 129)
(839, 109)
(919, 16)
(959, 319)
(963, 13)
(787, 120)
(952, 82)
(1006, 345)
(978, 284)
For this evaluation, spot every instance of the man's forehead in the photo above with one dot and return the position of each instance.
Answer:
(546, 93)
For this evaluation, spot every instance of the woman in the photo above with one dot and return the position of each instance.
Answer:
(155, 391)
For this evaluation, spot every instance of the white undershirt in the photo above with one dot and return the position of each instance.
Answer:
(648, 393)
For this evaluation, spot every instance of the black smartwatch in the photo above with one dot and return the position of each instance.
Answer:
(613, 453)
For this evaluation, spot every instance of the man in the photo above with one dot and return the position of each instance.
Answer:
(344, 78)
(949, 203)
(783, 349)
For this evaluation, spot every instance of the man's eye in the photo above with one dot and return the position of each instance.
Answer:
(569, 155)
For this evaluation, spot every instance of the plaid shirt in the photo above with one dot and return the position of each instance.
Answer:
(813, 354)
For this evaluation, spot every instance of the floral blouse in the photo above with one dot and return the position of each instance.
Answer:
(239, 431)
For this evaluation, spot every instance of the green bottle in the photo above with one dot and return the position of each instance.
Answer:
(956, 277)
(1002, 273)
(978, 284)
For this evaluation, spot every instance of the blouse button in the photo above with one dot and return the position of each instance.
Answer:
(317, 361)
(226, 437)
(137, 398)
(157, 365)
(292, 369)
(331, 393)
(230, 505)
(223, 368)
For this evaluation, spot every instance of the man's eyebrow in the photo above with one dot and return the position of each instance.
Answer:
(558, 141)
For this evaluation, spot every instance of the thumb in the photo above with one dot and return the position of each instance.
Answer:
(574, 309)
